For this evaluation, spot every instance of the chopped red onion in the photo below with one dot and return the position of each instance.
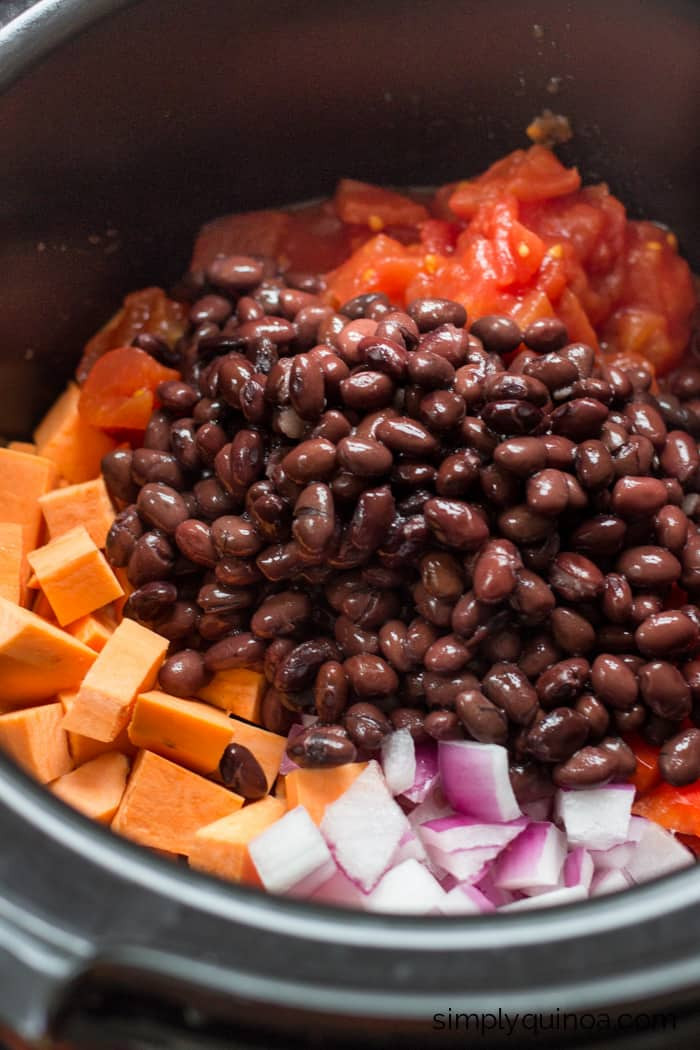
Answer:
(399, 761)
(364, 828)
(534, 860)
(610, 881)
(459, 832)
(433, 807)
(578, 868)
(465, 899)
(291, 852)
(657, 852)
(466, 865)
(475, 779)
(288, 765)
(427, 772)
(340, 890)
(597, 818)
(562, 895)
(407, 889)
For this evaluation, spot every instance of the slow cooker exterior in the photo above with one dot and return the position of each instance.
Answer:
(126, 125)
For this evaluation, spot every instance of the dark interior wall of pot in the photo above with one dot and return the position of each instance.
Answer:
(119, 144)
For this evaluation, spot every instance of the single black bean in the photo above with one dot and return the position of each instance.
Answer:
(241, 771)
(183, 674)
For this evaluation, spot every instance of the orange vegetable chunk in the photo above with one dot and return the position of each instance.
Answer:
(65, 438)
(221, 848)
(186, 731)
(127, 666)
(92, 631)
(96, 787)
(367, 205)
(84, 748)
(164, 804)
(23, 446)
(267, 747)
(238, 691)
(314, 789)
(119, 392)
(23, 479)
(36, 741)
(36, 658)
(11, 561)
(74, 575)
(85, 504)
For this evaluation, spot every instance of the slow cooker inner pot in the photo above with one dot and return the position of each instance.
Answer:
(124, 140)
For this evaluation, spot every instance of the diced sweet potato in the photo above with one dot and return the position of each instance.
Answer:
(23, 479)
(95, 788)
(164, 804)
(267, 747)
(23, 446)
(186, 731)
(238, 691)
(85, 504)
(11, 561)
(221, 848)
(69, 442)
(93, 631)
(74, 575)
(36, 741)
(84, 748)
(37, 660)
(127, 666)
(314, 789)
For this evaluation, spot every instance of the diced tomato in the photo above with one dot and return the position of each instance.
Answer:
(149, 310)
(570, 311)
(244, 233)
(363, 204)
(315, 240)
(380, 265)
(119, 393)
(675, 808)
(646, 775)
(439, 236)
(528, 175)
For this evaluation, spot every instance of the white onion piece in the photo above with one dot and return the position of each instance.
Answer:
(340, 890)
(291, 852)
(465, 899)
(407, 889)
(433, 807)
(615, 858)
(578, 868)
(364, 828)
(399, 761)
(459, 833)
(534, 860)
(427, 773)
(562, 895)
(410, 846)
(657, 852)
(610, 881)
(540, 809)
(466, 865)
(475, 779)
(597, 818)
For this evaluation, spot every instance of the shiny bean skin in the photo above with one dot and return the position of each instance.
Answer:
(587, 767)
(495, 574)
(617, 598)
(595, 713)
(183, 674)
(613, 682)
(194, 541)
(366, 725)
(561, 683)
(314, 518)
(671, 526)
(679, 457)
(242, 773)
(442, 575)
(456, 524)
(666, 632)
(281, 614)
(679, 760)
(161, 507)
(523, 456)
(321, 747)
(364, 457)
(507, 687)
(572, 632)
(635, 497)
(547, 492)
(370, 675)
(556, 736)
(482, 719)
(651, 567)
(664, 689)
(443, 725)
(575, 577)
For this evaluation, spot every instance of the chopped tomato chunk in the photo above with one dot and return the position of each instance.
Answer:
(363, 204)
(528, 175)
(647, 774)
(380, 265)
(149, 310)
(245, 233)
(119, 393)
(675, 808)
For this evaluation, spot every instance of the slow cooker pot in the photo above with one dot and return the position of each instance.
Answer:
(125, 125)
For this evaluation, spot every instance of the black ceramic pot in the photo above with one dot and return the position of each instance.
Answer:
(146, 119)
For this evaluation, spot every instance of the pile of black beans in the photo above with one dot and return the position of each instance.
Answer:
(406, 521)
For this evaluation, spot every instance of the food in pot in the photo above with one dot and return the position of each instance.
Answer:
(364, 568)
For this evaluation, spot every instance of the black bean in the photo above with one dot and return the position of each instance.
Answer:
(241, 771)
(183, 674)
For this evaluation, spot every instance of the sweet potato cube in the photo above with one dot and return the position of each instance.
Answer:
(84, 748)
(75, 447)
(85, 504)
(74, 575)
(238, 691)
(96, 787)
(164, 804)
(23, 480)
(11, 556)
(36, 741)
(314, 789)
(93, 631)
(128, 665)
(267, 747)
(221, 848)
(37, 660)
(186, 731)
